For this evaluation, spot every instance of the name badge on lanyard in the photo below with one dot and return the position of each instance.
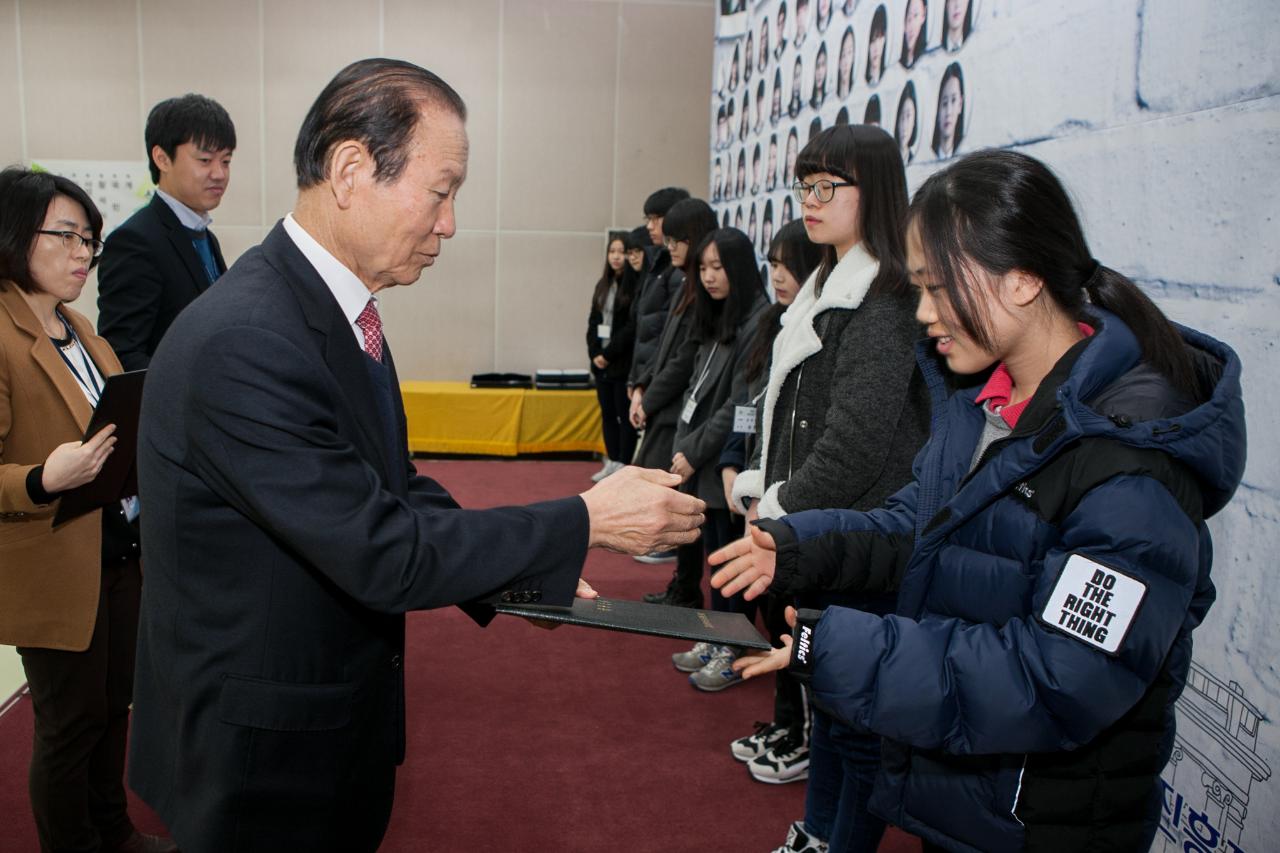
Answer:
(691, 405)
(744, 419)
(604, 331)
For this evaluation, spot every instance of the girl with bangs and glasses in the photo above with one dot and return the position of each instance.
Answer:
(69, 596)
(844, 413)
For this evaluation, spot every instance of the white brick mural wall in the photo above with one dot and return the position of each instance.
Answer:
(1163, 119)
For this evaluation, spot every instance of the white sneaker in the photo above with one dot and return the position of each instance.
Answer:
(614, 467)
(605, 471)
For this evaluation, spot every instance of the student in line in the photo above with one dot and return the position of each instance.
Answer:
(844, 414)
(778, 751)
(611, 336)
(1052, 552)
(655, 403)
(726, 308)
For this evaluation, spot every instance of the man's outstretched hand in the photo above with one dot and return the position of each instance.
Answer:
(638, 511)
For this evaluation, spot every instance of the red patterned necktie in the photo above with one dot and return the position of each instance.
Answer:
(371, 324)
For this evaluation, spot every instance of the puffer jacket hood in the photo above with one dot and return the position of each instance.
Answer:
(1109, 394)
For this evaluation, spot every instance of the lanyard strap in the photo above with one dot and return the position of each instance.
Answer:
(756, 399)
(706, 368)
(88, 382)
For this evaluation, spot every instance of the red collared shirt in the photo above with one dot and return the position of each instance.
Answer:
(999, 389)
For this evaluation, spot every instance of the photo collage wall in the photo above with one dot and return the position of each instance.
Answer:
(786, 69)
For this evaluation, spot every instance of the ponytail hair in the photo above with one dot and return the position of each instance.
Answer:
(1001, 211)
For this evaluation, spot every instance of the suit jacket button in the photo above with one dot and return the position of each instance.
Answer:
(395, 663)
(507, 597)
(804, 424)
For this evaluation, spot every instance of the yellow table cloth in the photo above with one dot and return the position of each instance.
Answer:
(453, 417)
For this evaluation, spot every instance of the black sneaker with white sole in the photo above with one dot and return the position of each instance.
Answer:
(758, 743)
(787, 761)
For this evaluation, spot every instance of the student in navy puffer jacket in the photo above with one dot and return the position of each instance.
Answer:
(1051, 555)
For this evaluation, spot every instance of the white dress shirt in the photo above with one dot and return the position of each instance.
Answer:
(350, 291)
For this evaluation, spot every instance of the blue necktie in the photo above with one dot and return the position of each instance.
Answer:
(200, 239)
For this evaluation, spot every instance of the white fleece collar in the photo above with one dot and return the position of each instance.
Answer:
(798, 339)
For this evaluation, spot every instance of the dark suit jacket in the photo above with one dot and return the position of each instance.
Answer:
(283, 541)
(148, 273)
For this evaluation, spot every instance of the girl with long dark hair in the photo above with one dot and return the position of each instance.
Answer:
(727, 306)
(611, 333)
(1052, 551)
(656, 408)
(844, 415)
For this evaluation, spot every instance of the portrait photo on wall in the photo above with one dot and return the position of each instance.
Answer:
(758, 124)
(823, 18)
(845, 61)
(797, 84)
(950, 122)
(800, 32)
(818, 97)
(871, 115)
(877, 39)
(915, 32)
(906, 127)
(957, 23)
(789, 163)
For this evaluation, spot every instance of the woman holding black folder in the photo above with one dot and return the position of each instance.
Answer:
(68, 595)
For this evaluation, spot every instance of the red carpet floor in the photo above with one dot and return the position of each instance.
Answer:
(522, 739)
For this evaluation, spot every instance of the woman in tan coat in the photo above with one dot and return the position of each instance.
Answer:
(68, 596)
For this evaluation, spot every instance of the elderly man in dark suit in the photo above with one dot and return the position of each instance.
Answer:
(285, 531)
(164, 256)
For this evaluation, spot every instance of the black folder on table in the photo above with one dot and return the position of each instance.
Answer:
(638, 617)
(120, 404)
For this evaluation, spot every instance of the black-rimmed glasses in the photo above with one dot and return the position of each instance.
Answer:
(72, 241)
(825, 190)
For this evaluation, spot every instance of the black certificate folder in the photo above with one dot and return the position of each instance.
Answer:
(638, 617)
(120, 404)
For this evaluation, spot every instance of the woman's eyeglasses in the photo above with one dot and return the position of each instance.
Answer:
(825, 190)
(72, 241)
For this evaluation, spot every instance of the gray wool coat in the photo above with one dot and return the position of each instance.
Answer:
(845, 408)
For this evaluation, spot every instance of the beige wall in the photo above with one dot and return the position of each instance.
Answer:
(578, 109)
